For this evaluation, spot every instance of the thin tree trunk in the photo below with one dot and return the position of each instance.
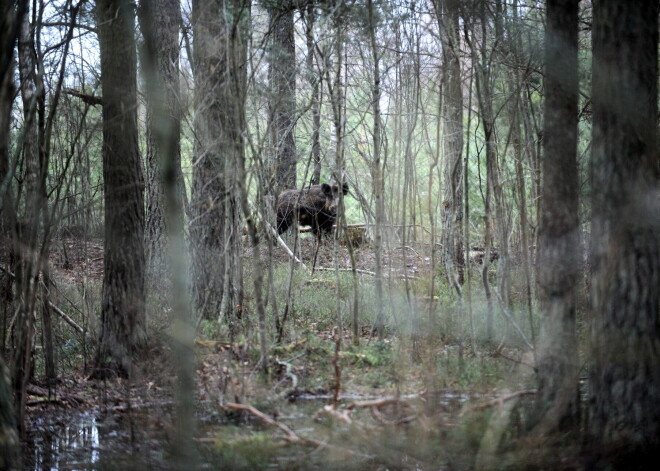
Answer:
(484, 100)
(315, 98)
(377, 172)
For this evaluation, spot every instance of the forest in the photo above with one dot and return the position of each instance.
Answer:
(329, 234)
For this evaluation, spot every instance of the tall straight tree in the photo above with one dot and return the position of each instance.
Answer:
(123, 321)
(452, 125)
(624, 421)
(219, 64)
(377, 167)
(559, 232)
(160, 22)
(282, 76)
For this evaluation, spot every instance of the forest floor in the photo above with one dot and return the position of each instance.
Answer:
(327, 403)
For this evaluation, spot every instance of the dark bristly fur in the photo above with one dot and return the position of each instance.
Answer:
(315, 206)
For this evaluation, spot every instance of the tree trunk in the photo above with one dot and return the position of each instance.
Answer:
(27, 235)
(377, 173)
(220, 68)
(160, 27)
(123, 322)
(452, 124)
(314, 79)
(8, 437)
(559, 240)
(624, 422)
(160, 22)
(10, 18)
(282, 76)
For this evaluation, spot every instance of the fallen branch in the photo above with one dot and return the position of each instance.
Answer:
(375, 407)
(64, 399)
(279, 240)
(499, 401)
(57, 310)
(290, 435)
(66, 318)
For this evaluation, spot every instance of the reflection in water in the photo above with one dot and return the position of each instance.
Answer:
(140, 438)
(63, 442)
(92, 440)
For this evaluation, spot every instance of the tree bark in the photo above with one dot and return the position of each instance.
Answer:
(9, 17)
(377, 172)
(160, 22)
(315, 98)
(123, 322)
(624, 420)
(8, 437)
(160, 27)
(282, 76)
(452, 125)
(559, 255)
(220, 78)
(28, 228)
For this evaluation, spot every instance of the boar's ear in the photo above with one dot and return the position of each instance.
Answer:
(344, 188)
(327, 189)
